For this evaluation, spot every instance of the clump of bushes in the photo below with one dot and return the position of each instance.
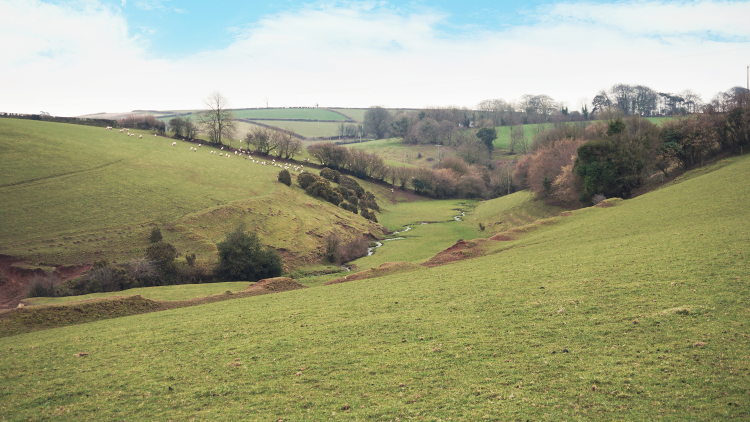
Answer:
(349, 195)
(243, 258)
(337, 252)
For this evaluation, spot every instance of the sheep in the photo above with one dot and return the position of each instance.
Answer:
(140, 136)
(235, 153)
(199, 145)
(222, 148)
(221, 154)
(120, 130)
(154, 134)
(174, 144)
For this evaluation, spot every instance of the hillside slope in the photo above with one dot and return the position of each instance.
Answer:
(73, 194)
(632, 312)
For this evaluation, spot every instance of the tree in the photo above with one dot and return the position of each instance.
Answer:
(243, 258)
(487, 135)
(287, 144)
(400, 126)
(377, 121)
(217, 121)
(262, 139)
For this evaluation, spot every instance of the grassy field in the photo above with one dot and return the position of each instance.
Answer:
(357, 114)
(75, 193)
(162, 293)
(632, 312)
(288, 113)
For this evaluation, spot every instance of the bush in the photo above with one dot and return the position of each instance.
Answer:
(370, 215)
(243, 258)
(155, 236)
(331, 242)
(332, 175)
(285, 177)
(306, 179)
(354, 249)
(42, 286)
(190, 260)
(349, 207)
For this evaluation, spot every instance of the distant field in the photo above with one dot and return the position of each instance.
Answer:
(288, 113)
(357, 114)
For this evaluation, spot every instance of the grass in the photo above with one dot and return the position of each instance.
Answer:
(288, 113)
(74, 194)
(357, 114)
(161, 293)
(634, 312)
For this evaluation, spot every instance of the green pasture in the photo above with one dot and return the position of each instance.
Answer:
(632, 312)
(75, 193)
(288, 113)
(161, 293)
(357, 114)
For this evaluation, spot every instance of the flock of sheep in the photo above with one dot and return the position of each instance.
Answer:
(243, 154)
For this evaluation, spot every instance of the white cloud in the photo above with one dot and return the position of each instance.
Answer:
(76, 60)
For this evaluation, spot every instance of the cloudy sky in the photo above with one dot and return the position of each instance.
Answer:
(78, 57)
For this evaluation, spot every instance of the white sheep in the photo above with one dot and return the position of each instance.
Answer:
(222, 148)
(199, 145)
(235, 153)
(154, 134)
(174, 144)
(140, 136)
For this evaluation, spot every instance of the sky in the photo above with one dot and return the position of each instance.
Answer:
(79, 57)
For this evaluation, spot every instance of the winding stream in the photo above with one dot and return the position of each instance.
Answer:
(371, 250)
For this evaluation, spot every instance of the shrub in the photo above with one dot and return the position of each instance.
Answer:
(370, 215)
(243, 258)
(42, 286)
(305, 179)
(349, 207)
(598, 198)
(481, 227)
(285, 177)
(332, 175)
(155, 236)
(331, 243)
(190, 260)
(356, 248)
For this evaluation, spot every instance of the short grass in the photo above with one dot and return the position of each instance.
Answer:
(161, 293)
(514, 210)
(75, 193)
(357, 114)
(634, 312)
(288, 113)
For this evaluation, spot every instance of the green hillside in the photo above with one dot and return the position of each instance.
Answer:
(75, 193)
(634, 311)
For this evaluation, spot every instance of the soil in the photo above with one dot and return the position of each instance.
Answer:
(460, 251)
(384, 269)
(17, 278)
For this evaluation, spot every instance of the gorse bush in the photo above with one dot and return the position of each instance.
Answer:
(155, 236)
(285, 177)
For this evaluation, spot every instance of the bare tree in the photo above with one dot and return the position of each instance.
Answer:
(217, 121)
(264, 140)
(288, 145)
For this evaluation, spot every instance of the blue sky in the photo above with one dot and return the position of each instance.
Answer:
(88, 56)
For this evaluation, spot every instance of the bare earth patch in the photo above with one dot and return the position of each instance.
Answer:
(384, 269)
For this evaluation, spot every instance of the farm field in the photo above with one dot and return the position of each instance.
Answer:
(357, 114)
(604, 313)
(288, 113)
(74, 193)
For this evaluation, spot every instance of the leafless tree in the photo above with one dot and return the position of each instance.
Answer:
(217, 121)
(288, 145)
